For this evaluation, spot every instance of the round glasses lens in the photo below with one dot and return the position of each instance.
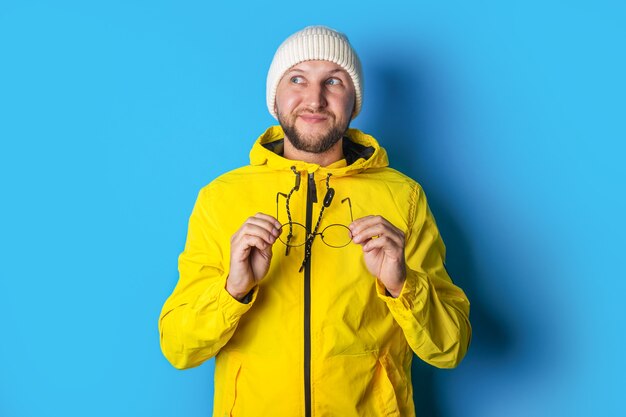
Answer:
(293, 234)
(336, 235)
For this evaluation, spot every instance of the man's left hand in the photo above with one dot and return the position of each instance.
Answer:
(383, 250)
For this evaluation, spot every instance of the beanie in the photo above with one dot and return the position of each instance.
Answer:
(310, 44)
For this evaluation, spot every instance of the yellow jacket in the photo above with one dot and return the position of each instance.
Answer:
(327, 341)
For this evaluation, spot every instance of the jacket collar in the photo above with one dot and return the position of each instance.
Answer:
(362, 152)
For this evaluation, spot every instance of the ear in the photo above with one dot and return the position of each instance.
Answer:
(353, 109)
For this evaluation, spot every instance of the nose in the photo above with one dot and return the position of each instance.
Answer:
(315, 98)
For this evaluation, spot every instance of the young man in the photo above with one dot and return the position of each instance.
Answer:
(314, 273)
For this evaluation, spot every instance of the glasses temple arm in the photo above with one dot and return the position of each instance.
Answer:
(349, 205)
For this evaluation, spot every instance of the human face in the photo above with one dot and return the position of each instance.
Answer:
(314, 104)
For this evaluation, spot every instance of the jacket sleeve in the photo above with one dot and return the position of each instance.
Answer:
(432, 312)
(200, 316)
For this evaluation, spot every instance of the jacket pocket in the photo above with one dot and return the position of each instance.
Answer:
(384, 390)
(228, 384)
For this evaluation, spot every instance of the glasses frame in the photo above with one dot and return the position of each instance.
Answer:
(311, 235)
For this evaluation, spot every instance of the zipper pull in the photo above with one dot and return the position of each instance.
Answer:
(312, 189)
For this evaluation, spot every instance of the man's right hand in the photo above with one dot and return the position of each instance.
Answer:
(251, 254)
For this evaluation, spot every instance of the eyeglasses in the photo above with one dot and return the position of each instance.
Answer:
(294, 234)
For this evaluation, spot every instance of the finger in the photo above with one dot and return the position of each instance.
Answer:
(267, 218)
(264, 219)
(386, 244)
(271, 226)
(369, 221)
(241, 249)
(376, 231)
(357, 226)
(269, 235)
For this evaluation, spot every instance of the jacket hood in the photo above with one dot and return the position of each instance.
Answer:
(361, 151)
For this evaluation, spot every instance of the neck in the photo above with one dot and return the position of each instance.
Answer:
(331, 156)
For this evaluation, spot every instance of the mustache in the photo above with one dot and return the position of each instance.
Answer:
(316, 112)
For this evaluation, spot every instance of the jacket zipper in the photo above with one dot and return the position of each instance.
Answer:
(310, 200)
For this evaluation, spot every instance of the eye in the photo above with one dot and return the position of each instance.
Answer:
(296, 79)
(333, 81)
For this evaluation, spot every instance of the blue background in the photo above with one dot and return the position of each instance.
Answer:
(113, 114)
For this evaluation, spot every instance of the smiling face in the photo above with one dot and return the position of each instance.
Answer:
(314, 103)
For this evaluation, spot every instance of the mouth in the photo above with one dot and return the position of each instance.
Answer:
(313, 118)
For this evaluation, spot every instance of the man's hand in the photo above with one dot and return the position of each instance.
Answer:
(383, 250)
(251, 253)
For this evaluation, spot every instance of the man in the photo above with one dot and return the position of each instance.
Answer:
(314, 273)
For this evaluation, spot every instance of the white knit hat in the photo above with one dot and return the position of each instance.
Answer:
(315, 43)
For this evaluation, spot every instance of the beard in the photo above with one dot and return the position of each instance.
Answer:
(317, 144)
